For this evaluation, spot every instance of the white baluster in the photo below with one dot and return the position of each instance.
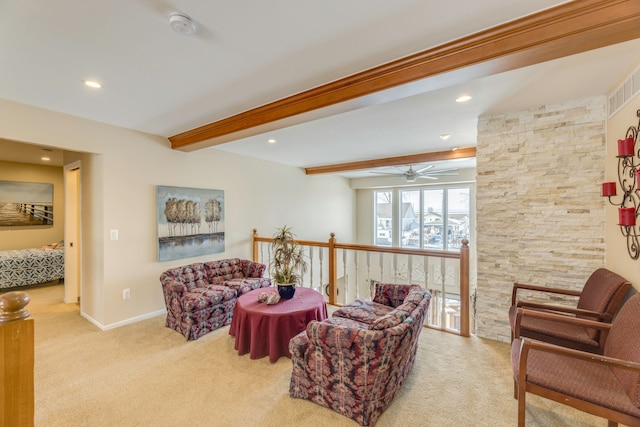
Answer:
(356, 259)
(410, 267)
(369, 273)
(321, 259)
(444, 295)
(344, 275)
(311, 267)
(395, 268)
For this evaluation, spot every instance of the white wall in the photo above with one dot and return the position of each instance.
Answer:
(119, 188)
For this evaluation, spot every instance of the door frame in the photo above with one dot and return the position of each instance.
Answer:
(72, 233)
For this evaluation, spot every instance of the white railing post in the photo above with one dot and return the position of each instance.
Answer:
(464, 288)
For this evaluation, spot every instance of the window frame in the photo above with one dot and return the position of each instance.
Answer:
(397, 202)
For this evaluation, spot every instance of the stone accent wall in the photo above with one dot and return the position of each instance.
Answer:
(540, 216)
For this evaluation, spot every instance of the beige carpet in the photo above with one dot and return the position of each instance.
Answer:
(147, 375)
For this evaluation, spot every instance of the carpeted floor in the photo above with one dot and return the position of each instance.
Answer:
(145, 374)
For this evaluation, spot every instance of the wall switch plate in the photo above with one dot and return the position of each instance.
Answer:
(114, 234)
(126, 293)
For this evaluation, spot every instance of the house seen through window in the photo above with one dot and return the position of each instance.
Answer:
(436, 218)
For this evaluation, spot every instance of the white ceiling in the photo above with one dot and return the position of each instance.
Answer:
(248, 53)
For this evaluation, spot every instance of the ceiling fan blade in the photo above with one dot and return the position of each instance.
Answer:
(427, 176)
(440, 171)
(426, 168)
(387, 173)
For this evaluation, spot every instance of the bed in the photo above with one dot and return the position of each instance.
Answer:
(23, 267)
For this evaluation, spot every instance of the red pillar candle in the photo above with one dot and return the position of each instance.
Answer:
(627, 216)
(625, 147)
(609, 188)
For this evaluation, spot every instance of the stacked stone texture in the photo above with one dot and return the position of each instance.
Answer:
(540, 216)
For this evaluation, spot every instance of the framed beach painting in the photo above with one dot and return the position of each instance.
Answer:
(190, 222)
(25, 203)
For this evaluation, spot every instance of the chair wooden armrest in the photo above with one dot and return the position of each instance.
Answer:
(556, 317)
(537, 288)
(565, 309)
(527, 345)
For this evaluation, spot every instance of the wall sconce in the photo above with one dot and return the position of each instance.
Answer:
(629, 180)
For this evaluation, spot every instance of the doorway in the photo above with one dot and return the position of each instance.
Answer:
(72, 227)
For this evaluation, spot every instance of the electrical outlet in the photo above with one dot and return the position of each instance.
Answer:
(114, 234)
(126, 293)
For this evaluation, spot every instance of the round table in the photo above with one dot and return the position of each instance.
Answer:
(261, 329)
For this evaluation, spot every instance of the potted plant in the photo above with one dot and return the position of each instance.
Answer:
(288, 264)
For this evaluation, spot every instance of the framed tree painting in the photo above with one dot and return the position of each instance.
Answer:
(190, 222)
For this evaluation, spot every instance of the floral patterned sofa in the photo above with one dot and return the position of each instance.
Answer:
(200, 297)
(356, 361)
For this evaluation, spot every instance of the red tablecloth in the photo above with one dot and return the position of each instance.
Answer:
(262, 329)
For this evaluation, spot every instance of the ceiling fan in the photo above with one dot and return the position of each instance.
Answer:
(410, 175)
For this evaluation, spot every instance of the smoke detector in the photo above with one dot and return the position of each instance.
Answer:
(182, 24)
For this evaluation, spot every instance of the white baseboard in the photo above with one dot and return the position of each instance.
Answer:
(123, 322)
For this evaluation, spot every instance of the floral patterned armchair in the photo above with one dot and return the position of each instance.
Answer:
(201, 297)
(356, 361)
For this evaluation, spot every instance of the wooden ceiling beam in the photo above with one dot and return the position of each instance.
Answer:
(460, 153)
(567, 29)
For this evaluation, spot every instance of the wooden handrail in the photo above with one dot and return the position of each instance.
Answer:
(332, 246)
(16, 361)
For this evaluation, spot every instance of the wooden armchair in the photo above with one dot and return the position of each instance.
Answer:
(599, 300)
(607, 386)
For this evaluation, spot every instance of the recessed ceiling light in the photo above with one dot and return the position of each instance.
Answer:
(45, 159)
(93, 84)
(463, 98)
(271, 141)
(445, 136)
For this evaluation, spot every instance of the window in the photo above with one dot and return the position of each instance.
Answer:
(383, 214)
(435, 218)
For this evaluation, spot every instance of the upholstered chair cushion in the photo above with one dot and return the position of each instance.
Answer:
(624, 343)
(200, 298)
(390, 294)
(192, 276)
(345, 322)
(247, 284)
(412, 300)
(598, 292)
(252, 268)
(220, 271)
(364, 311)
(599, 289)
(389, 320)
